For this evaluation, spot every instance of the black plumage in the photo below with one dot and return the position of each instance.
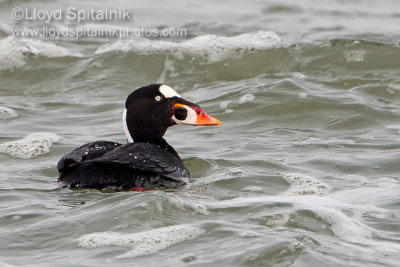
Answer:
(101, 164)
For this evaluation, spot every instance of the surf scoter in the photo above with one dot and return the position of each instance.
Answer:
(147, 160)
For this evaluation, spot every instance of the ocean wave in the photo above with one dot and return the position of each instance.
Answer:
(211, 47)
(13, 51)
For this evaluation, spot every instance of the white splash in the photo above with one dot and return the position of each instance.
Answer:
(31, 146)
(13, 51)
(7, 113)
(212, 47)
(344, 226)
(143, 243)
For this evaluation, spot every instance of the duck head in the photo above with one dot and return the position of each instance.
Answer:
(151, 110)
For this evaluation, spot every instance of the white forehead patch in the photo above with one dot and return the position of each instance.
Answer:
(167, 91)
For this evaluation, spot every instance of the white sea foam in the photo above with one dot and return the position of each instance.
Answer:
(249, 234)
(212, 47)
(298, 75)
(224, 104)
(13, 51)
(252, 189)
(329, 210)
(31, 146)
(143, 243)
(7, 113)
(344, 226)
(354, 55)
(299, 201)
(246, 98)
(277, 220)
(343, 211)
(303, 95)
(174, 200)
(301, 184)
(394, 127)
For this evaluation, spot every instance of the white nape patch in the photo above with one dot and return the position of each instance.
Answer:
(167, 91)
(191, 117)
(127, 134)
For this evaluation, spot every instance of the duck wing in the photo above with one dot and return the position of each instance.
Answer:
(86, 152)
(150, 158)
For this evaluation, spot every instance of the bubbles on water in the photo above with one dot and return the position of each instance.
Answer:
(276, 220)
(249, 234)
(354, 55)
(7, 113)
(301, 184)
(143, 243)
(246, 98)
(31, 146)
(10, 55)
(294, 248)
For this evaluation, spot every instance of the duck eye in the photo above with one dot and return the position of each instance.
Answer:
(158, 98)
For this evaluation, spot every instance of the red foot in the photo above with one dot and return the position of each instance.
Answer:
(140, 189)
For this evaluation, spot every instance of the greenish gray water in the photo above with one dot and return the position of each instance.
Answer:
(304, 170)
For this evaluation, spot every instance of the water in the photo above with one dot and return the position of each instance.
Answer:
(304, 170)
